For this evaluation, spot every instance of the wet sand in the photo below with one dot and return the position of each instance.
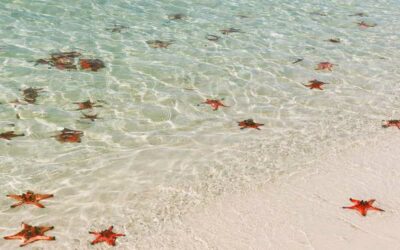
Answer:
(303, 211)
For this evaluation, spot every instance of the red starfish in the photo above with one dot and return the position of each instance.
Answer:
(86, 105)
(324, 65)
(91, 64)
(315, 84)
(107, 236)
(69, 135)
(249, 123)
(391, 123)
(363, 206)
(366, 25)
(214, 103)
(9, 134)
(31, 234)
(29, 198)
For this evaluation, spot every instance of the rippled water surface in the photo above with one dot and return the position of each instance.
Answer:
(156, 152)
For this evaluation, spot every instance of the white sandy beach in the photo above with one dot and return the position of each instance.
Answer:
(303, 211)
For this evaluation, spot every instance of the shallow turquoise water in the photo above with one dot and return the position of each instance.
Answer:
(156, 153)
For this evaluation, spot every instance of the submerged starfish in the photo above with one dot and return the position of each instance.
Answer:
(31, 234)
(87, 105)
(117, 28)
(30, 94)
(215, 104)
(363, 24)
(391, 123)
(69, 135)
(315, 84)
(363, 206)
(359, 14)
(158, 44)
(29, 198)
(107, 236)
(61, 60)
(176, 16)
(324, 65)
(333, 40)
(213, 38)
(230, 30)
(90, 117)
(9, 135)
(91, 64)
(249, 123)
(298, 60)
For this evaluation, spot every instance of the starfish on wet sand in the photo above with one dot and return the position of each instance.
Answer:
(31, 234)
(215, 104)
(230, 30)
(249, 123)
(29, 198)
(158, 44)
(91, 64)
(315, 84)
(107, 236)
(9, 135)
(69, 135)
(363, 206)
(391, 123)
(324, 65)
(363, 24)
(86, 105)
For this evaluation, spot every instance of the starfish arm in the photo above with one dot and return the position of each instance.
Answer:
(243, 127)
(257, 128)
(110, 228)
(95, 233)
(38, 204)
(14, 196)
(377, 209)
(363, 211)
(97, 240)
(398, 126)
(17, 204)
(354, 200)
(370, 202)
(352, 207)
(45, 229)
(43, 196)
(98, 106)
(31, 240)
(119, 235)
(319, 87)
(111, 242)
(13, 237)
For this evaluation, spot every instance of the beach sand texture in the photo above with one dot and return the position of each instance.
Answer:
(303, 211)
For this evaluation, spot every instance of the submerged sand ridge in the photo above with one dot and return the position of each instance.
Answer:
(303, 211)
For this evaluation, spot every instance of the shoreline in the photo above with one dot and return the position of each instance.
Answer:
(302, 211)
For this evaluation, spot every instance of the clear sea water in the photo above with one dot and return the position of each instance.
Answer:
(155, 153)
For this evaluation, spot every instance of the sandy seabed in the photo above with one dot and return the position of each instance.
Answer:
(303, 211)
